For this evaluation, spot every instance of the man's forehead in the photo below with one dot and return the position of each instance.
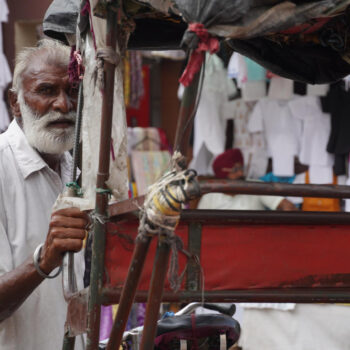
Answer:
(41, 67)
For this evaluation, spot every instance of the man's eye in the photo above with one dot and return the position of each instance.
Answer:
(73, 91)
(45, 90)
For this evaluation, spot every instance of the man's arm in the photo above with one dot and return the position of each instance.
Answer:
(66, 233)
(286, 205)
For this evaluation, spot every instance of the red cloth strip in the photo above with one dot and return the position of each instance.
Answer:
(206, 43)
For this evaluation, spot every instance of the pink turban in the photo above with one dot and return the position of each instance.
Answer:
(226, 160)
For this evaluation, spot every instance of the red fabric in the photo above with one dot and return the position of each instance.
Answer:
(206, 43)
(246, 256)
(227, 160)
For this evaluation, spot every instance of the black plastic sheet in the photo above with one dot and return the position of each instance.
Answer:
(254, 20)
(310, 64)
(61, 18)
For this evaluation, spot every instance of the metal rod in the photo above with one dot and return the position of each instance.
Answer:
(253, 217)
(278, 295)
(185, 119)
(77, 132)
(68, 274)
(155, 294)
(128, 293)
(126, 206)
(246, 187)
(257, 217)
(274, 189)
(98, 245)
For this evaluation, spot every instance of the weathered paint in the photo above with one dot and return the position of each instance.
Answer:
(251, 256)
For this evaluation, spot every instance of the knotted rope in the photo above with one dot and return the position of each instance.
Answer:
(161, 212)
(206, 43)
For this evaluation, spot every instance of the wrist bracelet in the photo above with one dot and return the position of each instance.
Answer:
(36, 260)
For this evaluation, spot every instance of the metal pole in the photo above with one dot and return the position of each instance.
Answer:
(155, 294)
(98, 245)
(246, 187)
(277, 295)
(274, 189)
(128, 293)
(257, 217)
(185, 120)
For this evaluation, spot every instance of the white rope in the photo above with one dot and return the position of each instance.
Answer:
(169, 196)
(102, 219)
(104, 54)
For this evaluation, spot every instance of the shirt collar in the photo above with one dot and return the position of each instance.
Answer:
(28, 159)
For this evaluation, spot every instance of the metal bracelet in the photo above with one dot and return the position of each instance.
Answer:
(36, 260)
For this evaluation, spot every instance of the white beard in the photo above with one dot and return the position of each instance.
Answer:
(46, 139)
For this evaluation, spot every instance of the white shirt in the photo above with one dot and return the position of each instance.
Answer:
(316, 127)
(213, 111)
(238, 202)
(28, 189)
(282, 133)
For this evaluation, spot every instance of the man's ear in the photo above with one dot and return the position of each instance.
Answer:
(14, 103)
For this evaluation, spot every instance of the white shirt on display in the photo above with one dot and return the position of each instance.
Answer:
(282, 133)
(316, 127)
(28, 190)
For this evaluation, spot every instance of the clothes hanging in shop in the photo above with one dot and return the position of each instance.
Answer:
(282, 133)
(280, 88)
(252, 145)
(250, 77)
(337, 103)
(316, 127)
(214, 109)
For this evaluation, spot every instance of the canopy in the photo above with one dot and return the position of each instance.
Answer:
(302, 40)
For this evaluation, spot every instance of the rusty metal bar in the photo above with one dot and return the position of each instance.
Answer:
(98, 246)
(185, 119)
(128, 293)
(257, 217)
(155, 294)
(274, 189)
(126, 206)
(246, 187)
(281, 295)
(193, 273)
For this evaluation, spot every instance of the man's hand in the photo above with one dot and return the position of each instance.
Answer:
(67, 231)
(286, 205)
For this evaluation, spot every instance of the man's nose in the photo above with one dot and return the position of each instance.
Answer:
(63, 103)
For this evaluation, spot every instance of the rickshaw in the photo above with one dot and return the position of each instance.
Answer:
(264, 256)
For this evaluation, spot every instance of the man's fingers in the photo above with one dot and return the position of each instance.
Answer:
(63, 233)
(73, 212)
(67, 245)
(68, 221)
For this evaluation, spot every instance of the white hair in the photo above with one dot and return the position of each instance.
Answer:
(40, 135)
(56, 53)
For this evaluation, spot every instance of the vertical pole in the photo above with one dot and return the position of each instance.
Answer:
(155, 294)
(193, 278)
(185, 121)
(128, 293)
(98, 245)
